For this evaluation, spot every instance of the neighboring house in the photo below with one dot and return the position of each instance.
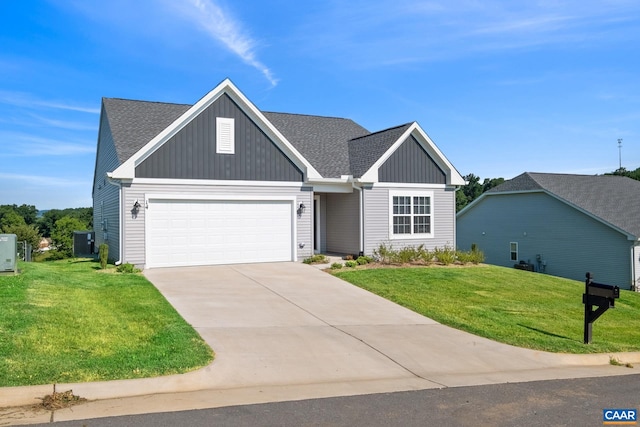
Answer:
(564, 225)
(222, 182)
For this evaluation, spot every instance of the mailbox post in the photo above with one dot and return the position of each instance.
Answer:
(599, 295)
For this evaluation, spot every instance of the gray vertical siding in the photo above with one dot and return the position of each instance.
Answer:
(569, 241)
(191, 153)
(106, 197)
(134, 226)
(376, 219)
(410, 163)
(343, 222)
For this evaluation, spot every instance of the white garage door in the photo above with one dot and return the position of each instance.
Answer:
(205, 232)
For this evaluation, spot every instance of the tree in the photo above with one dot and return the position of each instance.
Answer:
(24, 232)
(473, 189)
(49, 218)
(62, 234)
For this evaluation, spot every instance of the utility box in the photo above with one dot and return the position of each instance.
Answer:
(83, 243)
(8, 253)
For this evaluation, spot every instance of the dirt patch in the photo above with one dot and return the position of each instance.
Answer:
(61, 400)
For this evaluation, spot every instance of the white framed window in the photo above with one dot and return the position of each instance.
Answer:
(513, 251)
(225, 135)
(410, 214)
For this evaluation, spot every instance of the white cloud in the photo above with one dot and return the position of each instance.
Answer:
(17, 144)
(41, 180)
(20, 99)
(222, 27)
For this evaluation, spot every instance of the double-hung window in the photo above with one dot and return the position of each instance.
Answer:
(411, 215)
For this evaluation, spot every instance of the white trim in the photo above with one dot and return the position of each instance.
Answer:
(409, 185)
(517, 252)
(453, 176)
(412, 194)
(217, 182)
(127, 169)
(217, 198)
(225, 135)
(317, 224)
(361, 216)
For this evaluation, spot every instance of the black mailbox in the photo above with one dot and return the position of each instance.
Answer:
(600, 295)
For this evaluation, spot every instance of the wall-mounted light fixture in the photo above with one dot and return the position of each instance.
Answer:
(135, 209)
(301, 208)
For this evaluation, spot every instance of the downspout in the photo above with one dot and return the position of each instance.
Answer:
(361, 215)
(119, 185)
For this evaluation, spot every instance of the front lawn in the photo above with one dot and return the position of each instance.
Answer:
(511, 306)
(68, 321)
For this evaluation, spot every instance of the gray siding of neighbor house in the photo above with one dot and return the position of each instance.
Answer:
(106, 197)
(343, 224)
(569, 241)
(410, 163)
(376, 219)
(134, 226)
(191, 153)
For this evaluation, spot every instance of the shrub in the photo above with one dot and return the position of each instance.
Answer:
(336, 266)
(127, 268)
(384, 253)
(315, 259)
(103, 253)
(351, 263)
(445, 255)
(54, 255)
(362, 260)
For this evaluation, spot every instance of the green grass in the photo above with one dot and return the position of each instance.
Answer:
(516, 307)
(69, 321)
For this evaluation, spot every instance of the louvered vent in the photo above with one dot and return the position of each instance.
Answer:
(225, 135)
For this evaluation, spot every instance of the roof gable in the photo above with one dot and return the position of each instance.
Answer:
(412, 129)
(614, 200)
(127, 169)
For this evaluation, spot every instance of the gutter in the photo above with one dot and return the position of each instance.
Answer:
(118, 184)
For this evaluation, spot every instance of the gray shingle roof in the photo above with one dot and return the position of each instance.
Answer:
(334, 146)
(323, 141)
(613, 199)
(134, 123)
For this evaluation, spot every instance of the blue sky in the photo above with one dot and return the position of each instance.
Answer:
(502, 87)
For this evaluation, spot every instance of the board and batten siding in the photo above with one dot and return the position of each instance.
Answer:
(343, 222)
(410, 163)
(570, 242)
(376, 218)
(106, 196)
(191, 153)
(134, 225)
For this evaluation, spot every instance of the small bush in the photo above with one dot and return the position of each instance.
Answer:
(384, 253)
(445, 255)
(55, 255)
(351, 263)
(103, 253)
(362, 260)
(336, 266)
(315, 259)
(127, 268)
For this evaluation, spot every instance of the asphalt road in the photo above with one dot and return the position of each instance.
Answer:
(577, 402)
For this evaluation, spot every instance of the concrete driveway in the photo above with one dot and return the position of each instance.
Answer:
(291, 324)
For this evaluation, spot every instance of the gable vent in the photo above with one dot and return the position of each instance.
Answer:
(225, 135)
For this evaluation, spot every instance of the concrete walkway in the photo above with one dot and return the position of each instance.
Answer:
(287, 331)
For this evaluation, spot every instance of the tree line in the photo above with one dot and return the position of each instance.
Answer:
(57, 224)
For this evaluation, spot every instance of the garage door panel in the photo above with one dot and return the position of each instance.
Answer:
(182, 232)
